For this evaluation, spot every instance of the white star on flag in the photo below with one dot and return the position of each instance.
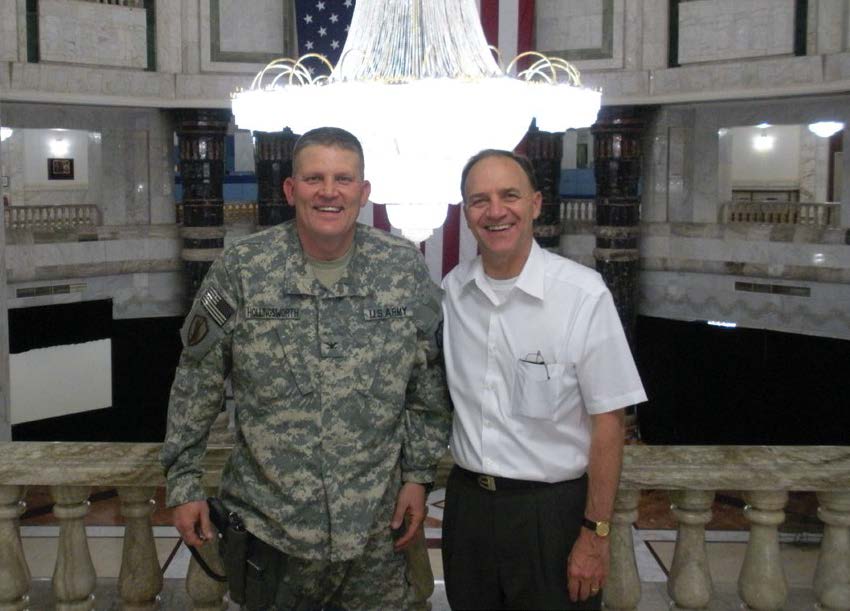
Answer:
(320, 6)
(347, 3)
(333, 18)
(308, 45)
(308, 19)
(323, 31)
(334, 44)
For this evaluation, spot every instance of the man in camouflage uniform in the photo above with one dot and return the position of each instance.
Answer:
(327, 329)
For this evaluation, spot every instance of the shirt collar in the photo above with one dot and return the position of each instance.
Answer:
(530, 280)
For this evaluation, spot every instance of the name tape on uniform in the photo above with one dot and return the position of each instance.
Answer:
(272, 313)
(389, 312)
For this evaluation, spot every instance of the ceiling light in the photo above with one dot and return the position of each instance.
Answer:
(825, 129)
(421, 104)
(5, 132)
(763, 125)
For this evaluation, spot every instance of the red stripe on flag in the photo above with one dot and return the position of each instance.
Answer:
(490, 21)
(525, 27)
(451, 239)
(380, 220)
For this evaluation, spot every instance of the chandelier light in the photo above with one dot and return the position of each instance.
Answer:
(5, 132)
(421, 89)
(825, 129)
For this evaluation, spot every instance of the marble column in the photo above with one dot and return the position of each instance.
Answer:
(273, 161)
(622, 589)
(762, 584)
(74, 578)
(14, 572)
(832, 576)
(617, 166)
(545, 149)
(690, 584)
(200, 135)
(140, 579)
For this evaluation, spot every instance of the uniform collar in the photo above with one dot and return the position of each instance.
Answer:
(357, 279)
(530, 279)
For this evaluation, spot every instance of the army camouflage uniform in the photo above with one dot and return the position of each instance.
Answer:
(339, 395)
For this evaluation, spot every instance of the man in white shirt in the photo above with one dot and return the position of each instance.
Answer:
(539, 372)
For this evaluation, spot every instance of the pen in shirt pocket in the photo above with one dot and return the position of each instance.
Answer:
(537, 359)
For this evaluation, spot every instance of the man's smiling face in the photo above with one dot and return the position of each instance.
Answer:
(500, 206)
(327, 190)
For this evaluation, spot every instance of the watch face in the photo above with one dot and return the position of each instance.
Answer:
(603, 528)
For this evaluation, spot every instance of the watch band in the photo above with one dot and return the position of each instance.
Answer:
(601, 528)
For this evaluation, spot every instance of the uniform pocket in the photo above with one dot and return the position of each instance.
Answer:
(538, 389)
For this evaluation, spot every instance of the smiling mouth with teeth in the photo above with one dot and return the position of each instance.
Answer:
(329, 209)
(498, 227)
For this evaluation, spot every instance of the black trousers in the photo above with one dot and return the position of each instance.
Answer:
(508, 549)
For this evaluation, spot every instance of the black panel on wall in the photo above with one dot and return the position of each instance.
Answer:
(713, 385)
(145, 352)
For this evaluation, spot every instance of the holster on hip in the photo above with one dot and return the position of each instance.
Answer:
(232, 546)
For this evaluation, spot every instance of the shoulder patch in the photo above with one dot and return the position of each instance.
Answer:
(198, 330)
(215, 305)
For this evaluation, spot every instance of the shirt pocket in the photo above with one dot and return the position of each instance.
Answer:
(539, 389)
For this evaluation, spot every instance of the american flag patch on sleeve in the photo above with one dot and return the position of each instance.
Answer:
(215, 305)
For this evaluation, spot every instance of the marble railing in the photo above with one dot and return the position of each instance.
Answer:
(821, 214)
(578, 210)
(51, 218)
(691, 473)
(234, 212)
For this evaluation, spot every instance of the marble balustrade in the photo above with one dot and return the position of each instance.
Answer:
(52, 218)
(692, 474)
(822, 214)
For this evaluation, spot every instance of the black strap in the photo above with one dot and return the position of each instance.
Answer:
(203, 564)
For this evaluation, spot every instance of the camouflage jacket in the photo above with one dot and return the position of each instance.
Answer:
(339, 393)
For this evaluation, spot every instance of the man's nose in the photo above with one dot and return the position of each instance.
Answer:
(495, 207)
(327, 188)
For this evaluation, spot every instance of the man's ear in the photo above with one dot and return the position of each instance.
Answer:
(365, 192)
(536, 203)
(287, 190)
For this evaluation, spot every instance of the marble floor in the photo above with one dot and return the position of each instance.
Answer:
(654, 538)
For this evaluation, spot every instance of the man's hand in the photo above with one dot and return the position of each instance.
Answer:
(192, 521)
(410, 503)
(587, 566)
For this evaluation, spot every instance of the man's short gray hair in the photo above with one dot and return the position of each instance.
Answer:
(329, 136)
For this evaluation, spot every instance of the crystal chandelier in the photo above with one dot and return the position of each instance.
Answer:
(421, 89)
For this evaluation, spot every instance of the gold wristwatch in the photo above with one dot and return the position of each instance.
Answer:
(601, 528)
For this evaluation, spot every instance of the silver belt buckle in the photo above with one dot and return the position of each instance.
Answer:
(488, 482)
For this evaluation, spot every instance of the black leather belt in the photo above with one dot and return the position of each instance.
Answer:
(493, 483)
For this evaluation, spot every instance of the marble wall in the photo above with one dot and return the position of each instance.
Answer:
(79, 32)
(715, 30)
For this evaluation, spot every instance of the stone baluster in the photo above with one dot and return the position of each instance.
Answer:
(74, 579)
(832, 575)
(205, 593)
(140, 579)
(689, 584)
(622, 589)
(762, 584)
(14, 572)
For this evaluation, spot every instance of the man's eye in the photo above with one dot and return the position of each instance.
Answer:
(478, 203)
(311, 180)
(511, 197)
(346, 180)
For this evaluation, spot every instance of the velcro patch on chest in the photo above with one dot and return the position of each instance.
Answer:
(272, 313)
(384, 312)
(216, 306)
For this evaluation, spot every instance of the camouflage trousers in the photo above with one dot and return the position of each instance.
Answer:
(381, 578)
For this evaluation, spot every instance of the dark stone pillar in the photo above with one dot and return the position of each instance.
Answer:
(273, 161)
(545, 149)
(617, 164)
(200, 136)
(617, 155)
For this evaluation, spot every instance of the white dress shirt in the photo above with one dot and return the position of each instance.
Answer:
(525, 373)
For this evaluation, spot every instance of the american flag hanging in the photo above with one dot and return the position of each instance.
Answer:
(322, 26)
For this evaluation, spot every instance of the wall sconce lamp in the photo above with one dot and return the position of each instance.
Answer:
(825, 129)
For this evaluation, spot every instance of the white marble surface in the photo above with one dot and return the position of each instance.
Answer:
(713, 30)
(169, 41)
(656, 33)
(830, 25)
(253, 27)
(79, 32)
(8, 31)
